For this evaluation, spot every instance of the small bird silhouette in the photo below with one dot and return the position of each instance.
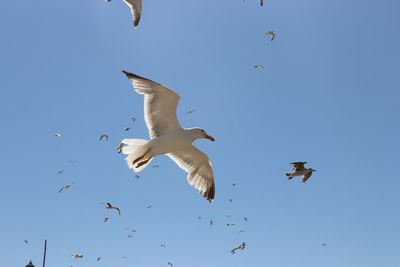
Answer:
(65, 187)
(258, 66)
(127, 129)
(272, 34)
(261, 2)
(190, 111)
(241, 246)
(104, 136)
(108, 205)
(170, 264)
(106, 219)
(77, 256)
(99, 258)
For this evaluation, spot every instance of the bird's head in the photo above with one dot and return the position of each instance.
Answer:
(200, 133)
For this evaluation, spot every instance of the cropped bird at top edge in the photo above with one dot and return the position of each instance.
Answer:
(168, 137)
(136, 10)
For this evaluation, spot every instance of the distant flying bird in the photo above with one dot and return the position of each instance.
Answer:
(133, 119)
(77, 256)
(245, 219)
(190, 111)
(137, 177)
(99, 258)
(261, 2)
(155, 166)
(299, 170)
(57, 135)
(258, 66)
(148, 206)
(65, 187)
(130, 236)
(168, 137)
(323, 244)
(272, 34)
(119, 148)
(73, 161)
(60, 172)
(230, 200)
(136, 10)
(170, 264)
(127, 129)
(104, 136)
(106, 219)
(108, 205)
(241, 231)
(241, 246)
(233, 184)
(163, 246)
(26, 241)
(230, 224)
(211, 222)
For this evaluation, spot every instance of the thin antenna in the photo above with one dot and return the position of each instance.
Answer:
(45, 250)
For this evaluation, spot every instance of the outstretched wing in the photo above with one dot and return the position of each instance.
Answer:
(198, 167)
(136, 10)
(159, 105)
(298, 166)
(306, 176)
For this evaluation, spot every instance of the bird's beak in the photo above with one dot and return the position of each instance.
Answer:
(209, 137)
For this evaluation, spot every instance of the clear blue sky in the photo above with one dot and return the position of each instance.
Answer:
(329, 94)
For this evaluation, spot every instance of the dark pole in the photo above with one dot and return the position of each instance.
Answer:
(45, 250)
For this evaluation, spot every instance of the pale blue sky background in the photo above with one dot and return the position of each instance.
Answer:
(329, 94)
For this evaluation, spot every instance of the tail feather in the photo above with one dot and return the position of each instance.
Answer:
(135, 148)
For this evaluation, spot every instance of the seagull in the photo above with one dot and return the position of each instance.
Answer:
(170, 264)
(163, 246)
(148, 206)
(108, 205)
(258, 66)
(127, 129)
(233, 184)
(168, 137)
(26, 241)
(261, 2)
(245, 219)
(299, 170)
(272, 34)
(190, 111)
(57, 135)
(133, 119)
(137, 177)
(60, 172)
(77, 256)
(105, 136)
(241, 246)
(136, 10)
(65, 187)
(106, 219)
(99, 258)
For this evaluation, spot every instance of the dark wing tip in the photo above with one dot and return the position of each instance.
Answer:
(131, 75)
(299, 162)
(210, 194)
